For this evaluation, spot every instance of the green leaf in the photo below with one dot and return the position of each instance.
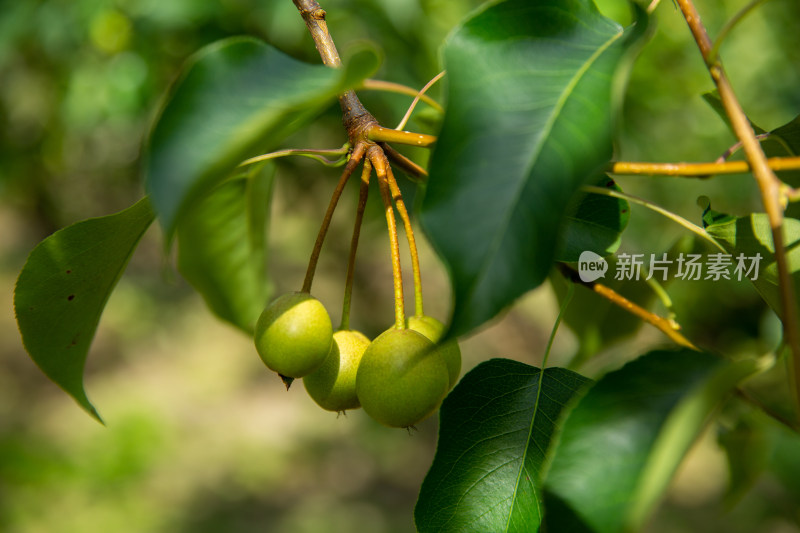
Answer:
(235, 98)
(783, 141)
(64, 286)
(495, 428)
(711, 216)
(222, 248)
(784, 461)
(531, 101)
(622, 442)
(746, 446)
(751, 235)
(593, 222)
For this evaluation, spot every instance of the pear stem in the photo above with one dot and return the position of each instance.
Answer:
(355, 158)
(363, 192)
(378, 133)
(412, 244)
(377, 158)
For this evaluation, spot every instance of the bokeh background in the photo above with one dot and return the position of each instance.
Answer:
(200, 437)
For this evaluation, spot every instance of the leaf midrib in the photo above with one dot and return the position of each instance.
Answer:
(503, 228)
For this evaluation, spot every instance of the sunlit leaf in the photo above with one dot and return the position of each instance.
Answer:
(64, 286)
(495, 429)
(620, 445)
(222, 248)
(751, 237)
(529, 119)
(235, 98)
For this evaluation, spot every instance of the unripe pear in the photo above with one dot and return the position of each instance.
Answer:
(333, 385)
(401, 379)
(433, 330)
(294, 334)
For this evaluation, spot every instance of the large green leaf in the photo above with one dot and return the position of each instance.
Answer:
(621, 444)
(751, 236)
(222, 248)
(593, 222)
(235, 98)
(63, 288)
(495, 429)
(531, 102)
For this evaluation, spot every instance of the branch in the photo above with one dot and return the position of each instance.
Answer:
(698, 170)
(667, 327)
(768, 184)
(354, 115)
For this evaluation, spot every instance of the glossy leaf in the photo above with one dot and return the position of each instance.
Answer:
(495, 428)
(622, 442)
(529, 120)
(236, 98)
(222, 249)
(593, 222)
(64, 286)
(752, 236)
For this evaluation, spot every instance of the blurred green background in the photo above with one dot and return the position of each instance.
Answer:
(200, 437)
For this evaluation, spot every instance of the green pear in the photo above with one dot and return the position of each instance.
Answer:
(294, 334)
(333, 385)
(433, 330)
(402, 378)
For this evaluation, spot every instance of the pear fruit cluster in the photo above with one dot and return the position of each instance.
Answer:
(399, 378)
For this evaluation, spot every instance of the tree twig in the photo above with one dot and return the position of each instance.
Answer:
(666, 326)
(697, 170)
(769, 185)
(354, 115)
